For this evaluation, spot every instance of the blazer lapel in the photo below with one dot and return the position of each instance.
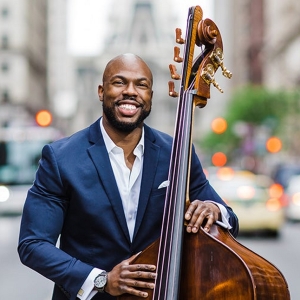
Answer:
(150, 160)
(100, 158)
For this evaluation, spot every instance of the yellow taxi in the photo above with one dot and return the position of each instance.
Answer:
(255, 199)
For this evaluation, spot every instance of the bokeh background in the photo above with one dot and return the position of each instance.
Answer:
(52, 55)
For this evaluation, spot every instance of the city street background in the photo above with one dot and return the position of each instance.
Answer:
(53, 54)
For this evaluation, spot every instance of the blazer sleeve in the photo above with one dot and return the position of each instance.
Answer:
(201, 189)
(42, 221)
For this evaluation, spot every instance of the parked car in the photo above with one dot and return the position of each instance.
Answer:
(293, 199)
(255, 199)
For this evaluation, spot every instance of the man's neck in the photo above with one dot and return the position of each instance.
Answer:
(126, 141)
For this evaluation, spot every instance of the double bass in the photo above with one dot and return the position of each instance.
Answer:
(205, 265)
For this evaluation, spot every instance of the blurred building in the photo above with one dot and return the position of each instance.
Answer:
(61, 72)
(262, 40)
(23, 59)
(282, 43)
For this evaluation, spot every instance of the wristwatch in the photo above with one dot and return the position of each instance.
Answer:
(100, 281)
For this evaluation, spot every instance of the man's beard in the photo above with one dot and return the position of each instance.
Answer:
(123, 126)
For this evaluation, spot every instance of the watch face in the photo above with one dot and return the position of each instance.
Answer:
(100, 281)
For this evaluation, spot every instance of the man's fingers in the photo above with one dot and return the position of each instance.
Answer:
(141, 284)
(137, 273)
(141, 267)
(197, 213)
(191, 209)
(133, 283)
(134, 266)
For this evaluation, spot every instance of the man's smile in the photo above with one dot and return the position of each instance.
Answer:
(127, 106)
(128, 109)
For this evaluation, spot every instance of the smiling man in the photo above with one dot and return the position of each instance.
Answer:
(128, 94)
(101, 192)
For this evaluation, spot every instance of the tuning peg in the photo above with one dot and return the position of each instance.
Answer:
(208, 75)
(217, 57)
(179, 39)
(172, 92)
(173, 72)
(226, 73)
(177, 58)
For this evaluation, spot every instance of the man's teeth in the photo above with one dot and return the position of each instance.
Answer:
(128, 106)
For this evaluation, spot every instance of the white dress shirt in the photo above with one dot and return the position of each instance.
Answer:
(128, 181)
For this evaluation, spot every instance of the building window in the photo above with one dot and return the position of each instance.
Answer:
(4, 12)
(4, 41)
(4, 67)
(5, 98)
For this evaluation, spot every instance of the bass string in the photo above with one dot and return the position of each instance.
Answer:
(170, 237)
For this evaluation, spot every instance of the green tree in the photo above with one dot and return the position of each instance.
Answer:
(253, 107)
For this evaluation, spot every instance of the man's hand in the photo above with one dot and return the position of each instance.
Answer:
(127, 278)
(199, 212)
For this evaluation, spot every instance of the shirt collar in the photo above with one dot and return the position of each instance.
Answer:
(110, 145)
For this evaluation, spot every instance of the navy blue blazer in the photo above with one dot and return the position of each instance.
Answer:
(75, 199)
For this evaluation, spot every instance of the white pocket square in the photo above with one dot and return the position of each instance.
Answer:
(164, 184)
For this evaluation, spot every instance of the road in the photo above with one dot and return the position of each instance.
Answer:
(282, 252)
(19, 282)
(16, 280)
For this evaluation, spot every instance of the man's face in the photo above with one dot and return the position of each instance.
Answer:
(126, 93)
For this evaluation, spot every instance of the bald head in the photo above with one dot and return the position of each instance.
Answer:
(126, 61)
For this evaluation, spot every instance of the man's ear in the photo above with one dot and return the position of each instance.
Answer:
(100, 92)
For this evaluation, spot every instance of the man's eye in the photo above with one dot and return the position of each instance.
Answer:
(118, 82)
(143, 84)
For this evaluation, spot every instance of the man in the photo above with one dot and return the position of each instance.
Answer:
(102, 192)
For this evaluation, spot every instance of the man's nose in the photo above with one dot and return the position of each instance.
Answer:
(130, 89)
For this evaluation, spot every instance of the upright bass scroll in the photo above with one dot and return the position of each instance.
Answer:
(200, 72)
